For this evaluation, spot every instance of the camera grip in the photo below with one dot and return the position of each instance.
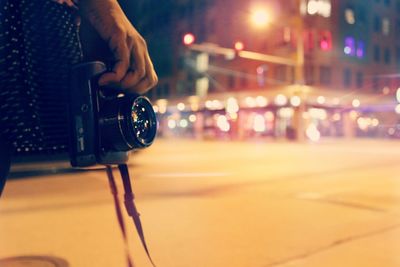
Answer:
(83, 113)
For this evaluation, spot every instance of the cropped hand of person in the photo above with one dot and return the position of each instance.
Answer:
(133, 69)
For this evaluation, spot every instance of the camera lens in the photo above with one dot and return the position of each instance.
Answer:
(143, 121)
(127, 123)
(140, 123)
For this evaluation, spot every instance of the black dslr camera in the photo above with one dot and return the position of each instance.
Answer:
(106, 124)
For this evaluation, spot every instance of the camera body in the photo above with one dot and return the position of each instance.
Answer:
(105, 124)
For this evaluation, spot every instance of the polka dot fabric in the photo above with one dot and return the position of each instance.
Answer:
(38, 45)
(69, 3)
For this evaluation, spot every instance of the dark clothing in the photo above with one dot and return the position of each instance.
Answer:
(70, 3)
(38, 44)
(4, 164)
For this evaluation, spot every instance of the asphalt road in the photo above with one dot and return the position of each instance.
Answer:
(220, 204)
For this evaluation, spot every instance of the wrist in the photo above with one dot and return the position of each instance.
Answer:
(105, 16)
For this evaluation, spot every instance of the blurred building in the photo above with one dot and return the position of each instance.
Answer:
(309, 66)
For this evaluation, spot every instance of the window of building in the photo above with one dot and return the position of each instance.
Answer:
(349, 46)
(325, 75)
(360, 49)
(325, 40)
(349, 15)
(354, 48)
(360, 80)
(287, 35)
(309, 74)
(377, 24)
(387, 56)
(347, 77)
(377, 53)
(317, 7)
(385, 26)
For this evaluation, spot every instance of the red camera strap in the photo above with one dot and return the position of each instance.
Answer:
(130, 208)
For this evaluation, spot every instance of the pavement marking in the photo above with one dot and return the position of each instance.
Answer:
(317, 197)
(351, 204)
(332, 245)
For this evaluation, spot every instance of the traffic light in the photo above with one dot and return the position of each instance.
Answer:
(239, 46)
(188, 39)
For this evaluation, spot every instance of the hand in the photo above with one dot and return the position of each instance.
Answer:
(133, 69)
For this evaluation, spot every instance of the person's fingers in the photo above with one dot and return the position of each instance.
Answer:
(150, 79)
(120, 51)
(146, 84)
(142, 87)
(138, 66)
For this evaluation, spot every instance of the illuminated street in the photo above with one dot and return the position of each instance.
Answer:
(216, 204)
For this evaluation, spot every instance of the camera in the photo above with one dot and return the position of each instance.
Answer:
(105, 124)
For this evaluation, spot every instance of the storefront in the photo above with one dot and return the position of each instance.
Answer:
(287, 112)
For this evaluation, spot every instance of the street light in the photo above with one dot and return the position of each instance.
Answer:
(259, 17)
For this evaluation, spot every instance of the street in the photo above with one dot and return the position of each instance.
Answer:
(219, 204)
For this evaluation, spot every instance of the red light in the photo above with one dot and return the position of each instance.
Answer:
(239, 46)
(188, 39)
(325, 41)
(324, 45)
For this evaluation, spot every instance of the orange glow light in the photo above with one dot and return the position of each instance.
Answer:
(239, 46)
(188, 39)
(260, 17)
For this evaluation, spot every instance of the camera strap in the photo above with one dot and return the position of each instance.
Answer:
(130, 208)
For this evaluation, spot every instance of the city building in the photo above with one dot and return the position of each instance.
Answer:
(299, 68)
